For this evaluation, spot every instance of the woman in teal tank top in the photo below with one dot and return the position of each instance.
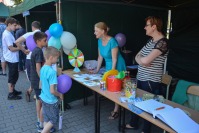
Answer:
(108, 50)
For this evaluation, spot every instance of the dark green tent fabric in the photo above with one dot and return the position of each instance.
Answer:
(4, 10)
(184, 43)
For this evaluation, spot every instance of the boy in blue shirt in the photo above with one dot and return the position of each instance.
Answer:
(49, 94)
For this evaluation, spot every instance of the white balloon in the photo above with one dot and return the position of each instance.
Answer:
(68, 40)
(67, 51)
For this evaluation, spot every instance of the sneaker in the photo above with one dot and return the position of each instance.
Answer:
(37, 124)
(12, 96)
(52, 130)
(39, 129)
(34, 97)
(3, 74)
(17, 92)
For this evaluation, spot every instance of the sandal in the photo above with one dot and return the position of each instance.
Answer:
(128, 126)
(113, 116)
(27, 96)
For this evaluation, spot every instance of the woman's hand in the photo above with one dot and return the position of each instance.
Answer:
(92, 71)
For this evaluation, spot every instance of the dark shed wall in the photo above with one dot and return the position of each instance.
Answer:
(184, 49)
(45, 14)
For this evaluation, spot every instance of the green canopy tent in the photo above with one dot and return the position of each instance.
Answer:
(4, 10)
(27, 5)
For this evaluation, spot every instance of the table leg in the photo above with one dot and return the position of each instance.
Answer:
(96, 104)
(123, 119)
(120, 119)
(85, 97)
(98, 113)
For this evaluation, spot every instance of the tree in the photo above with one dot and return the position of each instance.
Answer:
(17, 2)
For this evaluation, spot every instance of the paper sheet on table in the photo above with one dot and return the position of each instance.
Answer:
(174, 117)
(90, 83)
(81, 75)
(80, 79)
(88, 76)
(131, 102)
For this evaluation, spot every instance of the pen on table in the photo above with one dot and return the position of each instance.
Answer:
(159, 108)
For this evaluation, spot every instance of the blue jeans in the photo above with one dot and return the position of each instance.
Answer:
(22, 60)
(149, 86)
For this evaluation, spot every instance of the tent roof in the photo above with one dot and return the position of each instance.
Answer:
(27, 5)
(4, 10)
(166, 4)
(162, 4)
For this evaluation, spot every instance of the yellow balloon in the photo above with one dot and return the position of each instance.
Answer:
(109, 73)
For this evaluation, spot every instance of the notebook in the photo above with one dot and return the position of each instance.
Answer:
(174, 117)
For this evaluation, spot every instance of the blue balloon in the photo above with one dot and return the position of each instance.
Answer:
(54, 42)
(56, 30)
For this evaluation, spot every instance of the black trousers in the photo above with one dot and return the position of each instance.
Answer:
(13, 73)
(152, 87)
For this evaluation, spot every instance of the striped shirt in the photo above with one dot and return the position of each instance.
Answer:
(155, 70)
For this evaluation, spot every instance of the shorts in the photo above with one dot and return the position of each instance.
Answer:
(1, 55)
(28, 68)
(50, 112)
(35, 86)
(13, 73)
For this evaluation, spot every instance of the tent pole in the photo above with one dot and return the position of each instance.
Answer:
(26, 24)
(169, 26)
(57, 11)
(62, 64)
(58, 17)
(60, 22)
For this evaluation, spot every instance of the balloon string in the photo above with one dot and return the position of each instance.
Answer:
(59, 22)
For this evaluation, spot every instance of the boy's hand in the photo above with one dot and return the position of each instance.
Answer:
(61, 96)
(26, 52)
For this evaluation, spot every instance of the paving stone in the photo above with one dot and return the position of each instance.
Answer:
(6, 129)
(2, 126)
(19, 130)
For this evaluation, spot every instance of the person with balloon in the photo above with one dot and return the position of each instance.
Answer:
(49, 94)
(28, 38)
(108, 50)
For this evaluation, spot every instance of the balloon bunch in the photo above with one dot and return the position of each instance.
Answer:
(56, 38)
